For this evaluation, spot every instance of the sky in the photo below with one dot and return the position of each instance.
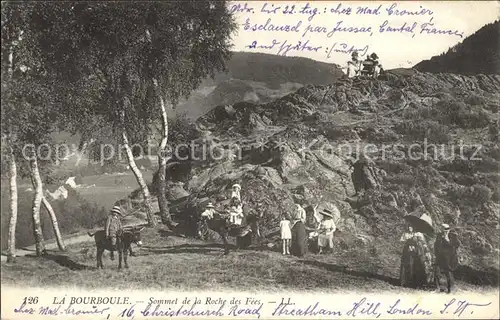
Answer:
(413, 38)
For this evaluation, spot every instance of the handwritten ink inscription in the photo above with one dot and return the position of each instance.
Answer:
(250, 307)
(308, 27)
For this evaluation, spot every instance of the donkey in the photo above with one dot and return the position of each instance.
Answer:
(123, 243)
(220, 224)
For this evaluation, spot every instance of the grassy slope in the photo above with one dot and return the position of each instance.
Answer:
(191, 263)
(167, 261)
(108, 189)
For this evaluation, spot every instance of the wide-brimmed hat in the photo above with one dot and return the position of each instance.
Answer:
(327, 213)
(210, 205)
(117, 210)
(445, 226)
(236, 186)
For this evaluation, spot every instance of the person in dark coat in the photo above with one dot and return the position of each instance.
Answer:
(300, 236)
(299, 239)
(445, 250)
(364, 176)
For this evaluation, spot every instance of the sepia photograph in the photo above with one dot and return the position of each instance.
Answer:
(315, 148)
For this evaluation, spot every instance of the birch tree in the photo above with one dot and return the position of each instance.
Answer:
(27, 112)
(9, 37)
(137, 58)
(184, 44)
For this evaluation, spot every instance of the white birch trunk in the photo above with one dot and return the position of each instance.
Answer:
(162, 167)
(37, 201)
(140, 180)
(55, 225)
(11, 254)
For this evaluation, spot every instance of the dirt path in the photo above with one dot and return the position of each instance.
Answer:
(51, 244)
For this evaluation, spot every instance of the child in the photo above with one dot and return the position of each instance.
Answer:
(235, 191)
(286, 234)
(236, 212)
(114, 225)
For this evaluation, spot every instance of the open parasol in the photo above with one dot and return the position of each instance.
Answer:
(420, 222)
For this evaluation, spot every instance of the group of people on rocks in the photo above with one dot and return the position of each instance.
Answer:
(235, 209)
(370, 67)
(295, 235)
(297, 229)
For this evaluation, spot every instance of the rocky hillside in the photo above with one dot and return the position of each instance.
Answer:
(434, 140)
(477, 54)
(259, 78)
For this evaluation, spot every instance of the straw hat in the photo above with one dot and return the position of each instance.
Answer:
(116, 210)
(327, 213)
(236, 186)
(445, 226)
(210, 205)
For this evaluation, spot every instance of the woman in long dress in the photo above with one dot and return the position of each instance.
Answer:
(299, 233)
(416, 260)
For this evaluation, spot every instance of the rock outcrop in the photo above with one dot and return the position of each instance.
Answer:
(300, 148)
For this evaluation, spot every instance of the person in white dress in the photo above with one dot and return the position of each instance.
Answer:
(235, 191)
(236, 212)
(286, 234)
(325, 230)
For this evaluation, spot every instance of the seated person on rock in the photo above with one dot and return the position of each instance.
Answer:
(235, 212)
(353, 65)
(372, 66)
(235, 191)
(209, 212)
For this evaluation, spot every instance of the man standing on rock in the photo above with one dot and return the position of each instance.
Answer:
(364, 175)
(445, 250)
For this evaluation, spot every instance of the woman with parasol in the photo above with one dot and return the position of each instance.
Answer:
(416, 260)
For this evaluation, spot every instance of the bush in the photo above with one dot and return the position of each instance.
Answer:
(474, 120)
(418, 130)
(393, 167)
(73, 214)
(480, 194)
(475, 100)
(181, 130)
(405, 179)
(495, 195)
(460, 114)
(474, 196)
